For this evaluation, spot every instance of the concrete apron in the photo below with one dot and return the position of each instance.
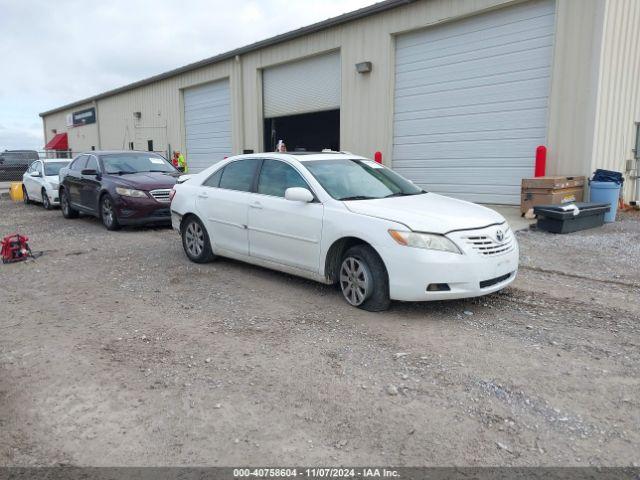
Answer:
(512, 214)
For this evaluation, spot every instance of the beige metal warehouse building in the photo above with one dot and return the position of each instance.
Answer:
(456, 94)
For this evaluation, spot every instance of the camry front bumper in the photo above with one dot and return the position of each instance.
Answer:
(421, 275)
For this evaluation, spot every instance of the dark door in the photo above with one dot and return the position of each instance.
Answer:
(90, 185)
(73, 179)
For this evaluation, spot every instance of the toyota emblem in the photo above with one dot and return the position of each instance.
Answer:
(499, 235)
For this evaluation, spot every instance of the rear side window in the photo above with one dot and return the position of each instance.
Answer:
(239, 175)
(214, 180)
(276, 177)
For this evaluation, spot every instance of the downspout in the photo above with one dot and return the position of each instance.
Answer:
(95, 107)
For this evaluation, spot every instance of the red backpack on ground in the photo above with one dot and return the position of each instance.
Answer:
(15, 248)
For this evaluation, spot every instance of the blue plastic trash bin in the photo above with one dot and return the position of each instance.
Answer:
(606, 192)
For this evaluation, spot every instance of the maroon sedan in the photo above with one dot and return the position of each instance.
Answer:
(119, 187)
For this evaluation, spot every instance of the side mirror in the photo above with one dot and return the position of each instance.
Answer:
(89, 171)
(35, 174)
(297, 194)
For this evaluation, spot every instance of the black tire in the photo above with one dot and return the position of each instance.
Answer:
(363, 279)
(108, 213)
(25, 196)
(67, 210)
(46, 203)
(195, 241)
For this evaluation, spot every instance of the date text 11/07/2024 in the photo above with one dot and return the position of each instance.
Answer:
(315, 473)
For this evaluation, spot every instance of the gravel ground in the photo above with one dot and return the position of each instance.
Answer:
(116, 350)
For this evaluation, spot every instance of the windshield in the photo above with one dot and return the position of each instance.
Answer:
(120, 163)
(53, 168)
(351, 179)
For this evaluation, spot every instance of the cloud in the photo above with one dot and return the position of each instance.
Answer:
(62, 51)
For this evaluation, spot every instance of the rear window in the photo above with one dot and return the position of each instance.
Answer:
(53, 168)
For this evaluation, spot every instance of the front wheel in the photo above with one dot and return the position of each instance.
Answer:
(364, 280)
(46, 203)
(25, 196)
(195, 241)
(67, 210)
(108, 213)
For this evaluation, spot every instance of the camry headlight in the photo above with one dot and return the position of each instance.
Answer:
(428, 241)
(129, 192)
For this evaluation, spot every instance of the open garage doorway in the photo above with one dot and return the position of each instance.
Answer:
(311, 132)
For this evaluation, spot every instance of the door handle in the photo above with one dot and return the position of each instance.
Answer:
(203, 195)
(256, 205)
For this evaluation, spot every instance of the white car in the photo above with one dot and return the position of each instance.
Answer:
(40, 181)
(340, 218)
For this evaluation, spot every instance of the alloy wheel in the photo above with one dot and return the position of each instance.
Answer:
(64, 203)
(355, 281)
(45, 200)
(107, 211)
(194, 239)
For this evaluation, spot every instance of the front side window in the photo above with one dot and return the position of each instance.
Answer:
(239, 175)
(53, 168)
(354, 179)
(135, 162)
(276, 177)
(79, 163)
(92, 163)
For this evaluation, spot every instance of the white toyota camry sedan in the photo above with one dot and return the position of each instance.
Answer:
(339, 218)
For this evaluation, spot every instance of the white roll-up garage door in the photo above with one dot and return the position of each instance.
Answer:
(207, 121)
(471, 102)
(309, 85)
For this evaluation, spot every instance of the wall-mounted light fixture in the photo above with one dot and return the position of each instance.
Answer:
(137, 115)
(364, 67)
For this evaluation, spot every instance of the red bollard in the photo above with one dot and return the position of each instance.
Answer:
(378, 157)
(541, 161)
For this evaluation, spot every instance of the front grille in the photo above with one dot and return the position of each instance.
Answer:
(494, 281)
(161, 195)
(486, 245)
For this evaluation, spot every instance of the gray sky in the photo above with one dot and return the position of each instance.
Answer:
(56, 52)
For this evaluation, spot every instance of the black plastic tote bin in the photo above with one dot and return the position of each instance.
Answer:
(556, 219)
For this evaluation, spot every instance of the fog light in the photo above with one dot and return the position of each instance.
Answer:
(438, 287)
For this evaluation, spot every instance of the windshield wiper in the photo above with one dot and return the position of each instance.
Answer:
(358, 197)
(120, 172)
(404, 194)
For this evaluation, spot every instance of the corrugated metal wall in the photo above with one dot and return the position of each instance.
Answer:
(618, 105)
(366, 122)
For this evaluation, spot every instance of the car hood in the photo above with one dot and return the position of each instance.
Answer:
(146, 180)
(429, 212)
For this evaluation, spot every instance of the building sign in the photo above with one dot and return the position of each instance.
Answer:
(84, 117)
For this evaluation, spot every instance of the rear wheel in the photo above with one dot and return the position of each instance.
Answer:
(46, 203)
(108, 213)
(195, 241)
(364, 280)
(67, 210)
(25, 196)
